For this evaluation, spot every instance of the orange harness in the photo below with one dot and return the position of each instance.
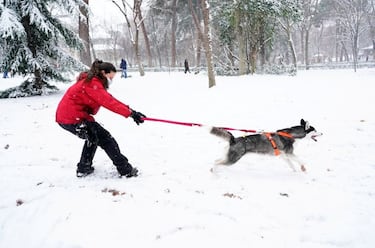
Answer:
(273, 143)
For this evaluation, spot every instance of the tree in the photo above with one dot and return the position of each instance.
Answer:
(254, 23)
(134, 35)
(35, 43)
(173, 33)
(352, 14)
(310, 10)
(207, 42)
(288, 15)
(370, 16)
(198, 28)
(137, 7)
(84, 34)
(205, 37)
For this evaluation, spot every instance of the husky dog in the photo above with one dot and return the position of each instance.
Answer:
(279, 142)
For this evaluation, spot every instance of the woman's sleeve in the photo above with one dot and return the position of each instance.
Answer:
(100, 95)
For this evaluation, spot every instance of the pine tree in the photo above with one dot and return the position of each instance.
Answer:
(37, 44)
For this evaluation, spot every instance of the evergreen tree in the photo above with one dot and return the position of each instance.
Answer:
(36, 43)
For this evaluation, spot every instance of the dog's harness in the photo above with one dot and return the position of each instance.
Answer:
(273, 143)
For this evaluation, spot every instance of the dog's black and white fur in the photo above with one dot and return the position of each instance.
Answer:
(266, 143)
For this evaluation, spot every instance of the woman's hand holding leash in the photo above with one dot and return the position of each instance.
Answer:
(138, 117)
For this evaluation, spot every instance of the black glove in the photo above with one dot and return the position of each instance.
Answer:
(137, 117)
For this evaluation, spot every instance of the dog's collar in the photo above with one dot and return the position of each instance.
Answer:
(272, 141)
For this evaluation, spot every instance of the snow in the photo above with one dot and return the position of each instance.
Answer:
(177, 201)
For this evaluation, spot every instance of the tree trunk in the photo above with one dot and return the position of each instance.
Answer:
(286, 25)
(37, 83)
(208, 43)
(355, 50)
(83, 30)
(173, 33)
(344, 52)
(199, 51)
(144, 31)
(302, 38)
(253, 58)
(262, 51)
(307, 59)
(199, 31)
(337, 34)
(137, 54)
(241, 44)
(156, 41)
(293, 51)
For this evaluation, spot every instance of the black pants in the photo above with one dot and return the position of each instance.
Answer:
(95, 135)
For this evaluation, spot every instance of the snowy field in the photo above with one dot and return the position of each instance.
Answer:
(177, 201)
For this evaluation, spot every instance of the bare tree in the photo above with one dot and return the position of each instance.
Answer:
(134, 34)
(287, 19)
(207, 42)
(310, 9)
(352, 14)
(287, 26)
(241, 37)
(137, 6)
(173, 33)
(371, 23)
(198, 29)
(205, 37)
(83, 30)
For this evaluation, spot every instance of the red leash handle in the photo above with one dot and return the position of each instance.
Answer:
(196, 124)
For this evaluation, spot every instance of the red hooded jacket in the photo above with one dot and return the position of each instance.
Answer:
(83, 100)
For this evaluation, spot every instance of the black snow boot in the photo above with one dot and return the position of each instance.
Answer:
(83, 171)
(127, 170)
(132, 173)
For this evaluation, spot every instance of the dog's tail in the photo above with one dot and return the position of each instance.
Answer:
(224, 134)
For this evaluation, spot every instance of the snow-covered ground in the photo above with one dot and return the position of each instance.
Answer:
(177, 201)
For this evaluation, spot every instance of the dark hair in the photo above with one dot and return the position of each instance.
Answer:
(96, 71)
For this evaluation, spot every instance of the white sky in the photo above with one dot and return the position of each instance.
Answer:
(105, 10)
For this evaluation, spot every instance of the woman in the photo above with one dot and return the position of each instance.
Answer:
(75, 114)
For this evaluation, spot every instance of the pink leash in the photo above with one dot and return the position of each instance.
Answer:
(196, 124)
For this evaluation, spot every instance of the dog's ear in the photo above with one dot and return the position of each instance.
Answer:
(305, 124)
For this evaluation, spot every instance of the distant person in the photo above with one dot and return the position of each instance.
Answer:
(123, 67)
(186, 64)
(75, 114)
(5, 74)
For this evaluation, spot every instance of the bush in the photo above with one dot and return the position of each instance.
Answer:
(28, 88)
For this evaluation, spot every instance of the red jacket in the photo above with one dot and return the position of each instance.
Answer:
(83, 100)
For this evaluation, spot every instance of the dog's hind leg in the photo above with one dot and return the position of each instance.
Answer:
(235, 152)
(231, 157)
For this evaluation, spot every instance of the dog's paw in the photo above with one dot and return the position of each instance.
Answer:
(221, 162)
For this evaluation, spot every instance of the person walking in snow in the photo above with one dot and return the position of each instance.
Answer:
(5, 74)
(186, 65)
(75, 114)
(123, 67)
